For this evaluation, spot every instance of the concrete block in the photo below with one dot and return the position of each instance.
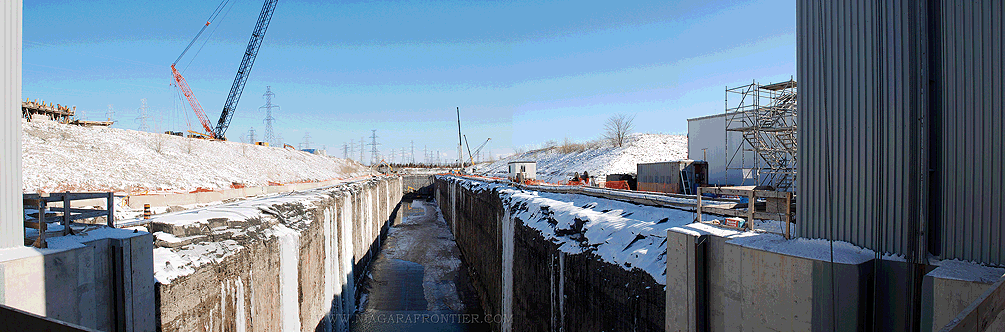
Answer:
(944, 298)
(680, 287)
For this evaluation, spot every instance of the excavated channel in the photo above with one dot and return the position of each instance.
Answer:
(418, 282)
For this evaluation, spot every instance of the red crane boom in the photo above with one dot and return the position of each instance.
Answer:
(185, 90)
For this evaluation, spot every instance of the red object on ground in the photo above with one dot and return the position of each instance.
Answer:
(617, 185)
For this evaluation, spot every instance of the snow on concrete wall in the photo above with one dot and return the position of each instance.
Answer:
(293, 255)
(532, 272)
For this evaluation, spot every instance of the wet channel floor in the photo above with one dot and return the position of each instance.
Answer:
(418, 281)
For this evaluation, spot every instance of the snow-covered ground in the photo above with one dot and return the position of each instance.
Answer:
(58, 157)
(554, 166)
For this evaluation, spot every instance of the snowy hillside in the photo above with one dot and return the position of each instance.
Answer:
(58, 157)
(553, 166)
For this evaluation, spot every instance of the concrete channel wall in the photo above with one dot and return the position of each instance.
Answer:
(259, 288)
(526, 283)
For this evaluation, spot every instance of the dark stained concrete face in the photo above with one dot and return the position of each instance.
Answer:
(418, 281)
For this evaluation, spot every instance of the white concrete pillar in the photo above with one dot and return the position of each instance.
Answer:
(11, 213)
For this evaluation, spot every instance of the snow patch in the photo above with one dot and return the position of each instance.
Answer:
(967, 271)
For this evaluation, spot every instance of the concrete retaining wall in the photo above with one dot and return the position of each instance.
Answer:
(526, 283)
(260, 288)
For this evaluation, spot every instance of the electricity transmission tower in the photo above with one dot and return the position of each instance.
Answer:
(360, 150)
(374, 152)
(109, 112)
(143, 115)
(413, 153)
(270, 136)
(307, 141)
(251, 136)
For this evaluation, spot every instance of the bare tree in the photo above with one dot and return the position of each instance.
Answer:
(617, 128)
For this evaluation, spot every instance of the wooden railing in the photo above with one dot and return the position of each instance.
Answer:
(68, 214)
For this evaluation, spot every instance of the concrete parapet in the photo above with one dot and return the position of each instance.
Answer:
(950, 288)
(729, 286)
(100, 280)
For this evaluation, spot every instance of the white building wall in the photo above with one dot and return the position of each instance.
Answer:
(707, 140)
(11, 215)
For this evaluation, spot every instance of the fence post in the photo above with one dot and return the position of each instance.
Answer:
(110, 218)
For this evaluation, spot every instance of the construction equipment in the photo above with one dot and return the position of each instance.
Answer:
(460, 153)
(478, 150)
(230, 106)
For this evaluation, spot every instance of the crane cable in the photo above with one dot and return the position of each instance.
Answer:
(213, 16)
(211, 33)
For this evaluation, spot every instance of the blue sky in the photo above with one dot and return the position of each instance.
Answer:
(522, 72)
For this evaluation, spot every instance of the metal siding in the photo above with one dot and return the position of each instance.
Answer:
(864, 77)
(973, 131)
(11, 215)
(709, 133)
(842, 104)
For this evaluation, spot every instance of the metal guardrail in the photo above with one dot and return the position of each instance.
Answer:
(69, 214)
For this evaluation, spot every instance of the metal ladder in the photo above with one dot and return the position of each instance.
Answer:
(685, 181)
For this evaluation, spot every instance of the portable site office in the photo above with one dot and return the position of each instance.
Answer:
(676, 177)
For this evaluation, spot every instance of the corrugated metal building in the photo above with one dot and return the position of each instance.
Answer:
(11, 214)
(901, 126)
(665, 177)
(708, 140)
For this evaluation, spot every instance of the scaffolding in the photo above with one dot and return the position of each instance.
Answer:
(765, 117)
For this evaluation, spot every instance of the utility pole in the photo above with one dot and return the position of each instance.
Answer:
(374, 152)
(270, 136)
(460, 158)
